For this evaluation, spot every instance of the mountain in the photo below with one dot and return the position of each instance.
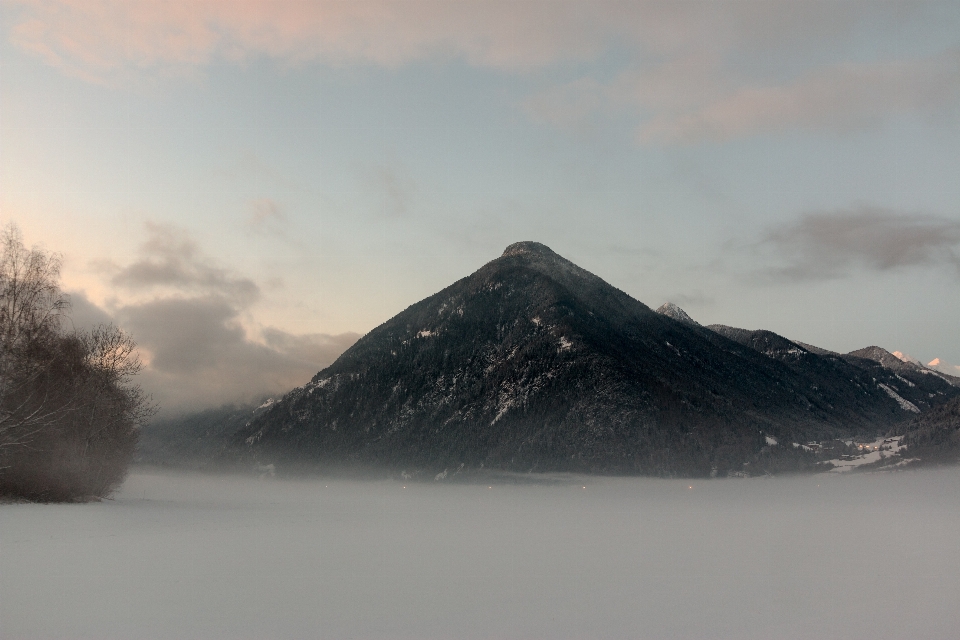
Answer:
(532, 363)
(673, 311)
(873, 371)
(951, 370)
(894, 361)
(906, 357)
(935, 435)
(913, 382)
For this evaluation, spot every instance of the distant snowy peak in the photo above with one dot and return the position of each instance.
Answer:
(906, 358)
(934, 365)
(673, 311)
(943, 367)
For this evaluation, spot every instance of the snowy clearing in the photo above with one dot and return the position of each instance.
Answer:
(870, 453)
(194, 556)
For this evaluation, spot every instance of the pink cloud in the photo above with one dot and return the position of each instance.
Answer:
(689, 71)
(693, 99)
(843, 97)
(100, 37)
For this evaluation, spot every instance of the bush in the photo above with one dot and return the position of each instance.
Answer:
(69, 412)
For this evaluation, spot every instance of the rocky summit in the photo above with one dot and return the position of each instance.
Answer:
(533, 363)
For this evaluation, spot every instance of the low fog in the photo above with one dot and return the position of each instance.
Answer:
(192, 556)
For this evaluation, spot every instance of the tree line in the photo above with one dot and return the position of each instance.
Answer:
(70, 411)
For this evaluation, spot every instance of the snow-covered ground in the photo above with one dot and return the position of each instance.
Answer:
(190, 556)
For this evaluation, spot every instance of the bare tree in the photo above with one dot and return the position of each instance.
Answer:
(31, 310)
(69, 410)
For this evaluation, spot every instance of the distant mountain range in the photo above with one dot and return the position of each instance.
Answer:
(938, 365)
(533, 363)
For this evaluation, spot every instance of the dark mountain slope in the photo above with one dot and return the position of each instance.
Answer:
(934, 436)
(915, 384)
(766, 342)
(870, 357)
(867, 390)
(194, 440)
(884, 358)
(533, 362)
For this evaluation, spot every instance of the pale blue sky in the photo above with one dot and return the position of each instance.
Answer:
(267, 176)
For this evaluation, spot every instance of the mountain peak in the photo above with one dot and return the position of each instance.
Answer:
(886, 359)
(673, 311)
(875, 353)
(905, 358)
(943, 367)
(528, 247)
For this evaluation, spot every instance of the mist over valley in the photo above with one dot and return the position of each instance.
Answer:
(220, 556)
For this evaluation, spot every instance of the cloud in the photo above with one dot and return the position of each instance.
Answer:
(100, 38)
(840, 98)
(187, 316)
(394, 188)
(199, 355)
(822, 245)
(721, 71)
(185, 335)
(684, 72)
(263, 211)
(309, 348)
(691, 100)
(84, 314)
(572, 105)
(267, 219)
(171, 259)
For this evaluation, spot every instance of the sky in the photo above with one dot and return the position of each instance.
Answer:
(249, 186)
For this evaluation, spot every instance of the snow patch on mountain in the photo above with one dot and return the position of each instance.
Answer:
(906, 405)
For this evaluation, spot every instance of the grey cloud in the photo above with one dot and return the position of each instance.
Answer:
(170, 258)
(264, 211)
(823, 245)
(710, 70)
(692, 98)
(184, 335)
(569, 106)
(395, 189)
(504, 35)
(842, 97)
(198, 355)
(197, 352)
(717, 71)
(316, 349)
(84, 314)
(267, 219)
